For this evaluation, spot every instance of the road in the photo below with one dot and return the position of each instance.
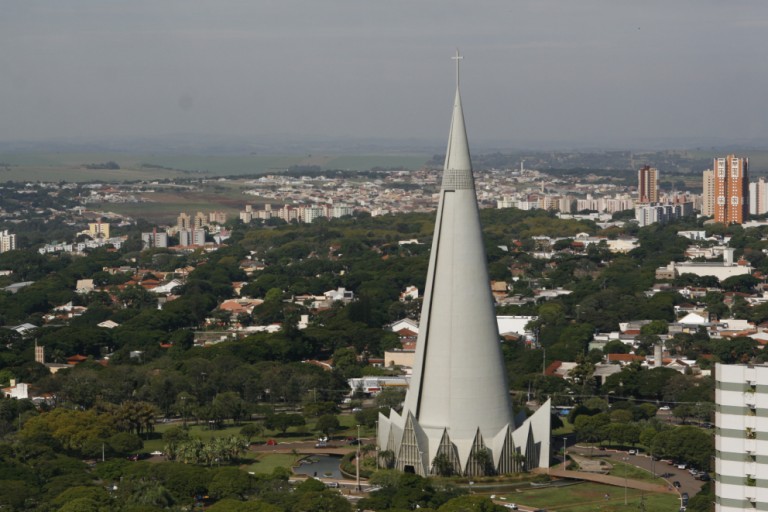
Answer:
(687, 482)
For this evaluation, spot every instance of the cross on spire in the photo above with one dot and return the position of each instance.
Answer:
(458, 57)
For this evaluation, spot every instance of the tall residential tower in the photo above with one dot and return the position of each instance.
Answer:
(731, 177)
(648, 185)
(457, 416)
(741, 437)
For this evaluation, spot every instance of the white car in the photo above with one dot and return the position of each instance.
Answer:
(510, 506)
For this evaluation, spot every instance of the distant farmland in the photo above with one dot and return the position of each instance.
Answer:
(71, 166)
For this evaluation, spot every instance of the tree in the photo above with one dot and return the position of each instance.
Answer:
(251, 430)
(283, 421)
(484, 461)
(327, 424)
(324, 501)
(231, 483)
(390, 398)
(442, 465)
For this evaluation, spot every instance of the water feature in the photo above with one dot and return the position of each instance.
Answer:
(321, 466)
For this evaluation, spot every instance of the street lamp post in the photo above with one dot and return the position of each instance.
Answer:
(565, 457)
(625, 459)
(357, 461)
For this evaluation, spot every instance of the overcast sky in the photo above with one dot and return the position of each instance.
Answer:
(563, 72)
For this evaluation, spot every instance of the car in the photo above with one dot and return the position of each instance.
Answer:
(684, 498)
(510, 506)
(666, 475)
(355, 442)
(704, 477)
(632, 452)
(321, 444)
(357, 409)
(664, 408)
(681, 466)
(332, 485)
(676, 484)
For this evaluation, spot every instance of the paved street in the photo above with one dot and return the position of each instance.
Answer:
(687, 482)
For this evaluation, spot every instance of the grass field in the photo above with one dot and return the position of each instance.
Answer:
(267, 462)
(621, 469)
(591, 497)
(70, 166)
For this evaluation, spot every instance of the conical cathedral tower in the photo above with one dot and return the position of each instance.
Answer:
(457, 417)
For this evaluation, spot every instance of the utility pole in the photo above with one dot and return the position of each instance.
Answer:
(625, 479)
(357, 461)
(565, 458)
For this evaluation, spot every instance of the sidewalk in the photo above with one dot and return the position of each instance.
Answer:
(607, 479)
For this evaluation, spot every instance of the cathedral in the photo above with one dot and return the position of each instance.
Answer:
(457, 417)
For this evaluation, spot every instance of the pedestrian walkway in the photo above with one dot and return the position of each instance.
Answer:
(607, 479)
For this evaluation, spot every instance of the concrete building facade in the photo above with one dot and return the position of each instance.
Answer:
(758, 197)
(457, 416)
(741, 437)
(647, 185)
(7, 241)
(708, 193)
(731, 178)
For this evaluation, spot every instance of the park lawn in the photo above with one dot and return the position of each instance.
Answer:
(567, 428)
(590, 496)
(634, 473)
(267, 462)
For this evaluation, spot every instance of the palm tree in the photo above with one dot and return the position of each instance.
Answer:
(483, 459)
(387, 458)
(442, 465)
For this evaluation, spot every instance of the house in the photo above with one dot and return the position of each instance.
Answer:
(108, 324)
(514, 324)
(339, 294)
(499, 289)
(166, 288)
(84, 286)
(410, 293)
(240, 306)
(624, 359)
(16, 390)
(405, 323)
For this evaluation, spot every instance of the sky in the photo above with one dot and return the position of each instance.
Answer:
(536, 73)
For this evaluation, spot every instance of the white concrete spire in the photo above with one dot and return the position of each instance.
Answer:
(458, 402)
(457, 160)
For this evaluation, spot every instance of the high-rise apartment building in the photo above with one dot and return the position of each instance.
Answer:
(183, 221)
(98, 230)
(758, 197)
(708, 193)
(648, 185)
(741, 437)
(731, 189)
(7, 241)
(154, 239)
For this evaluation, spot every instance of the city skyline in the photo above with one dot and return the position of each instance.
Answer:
(544, 74)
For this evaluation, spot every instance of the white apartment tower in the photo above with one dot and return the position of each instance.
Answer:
(758, 197)
(7, 241)
(457, 412)
(741, 437)
(708, 193)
